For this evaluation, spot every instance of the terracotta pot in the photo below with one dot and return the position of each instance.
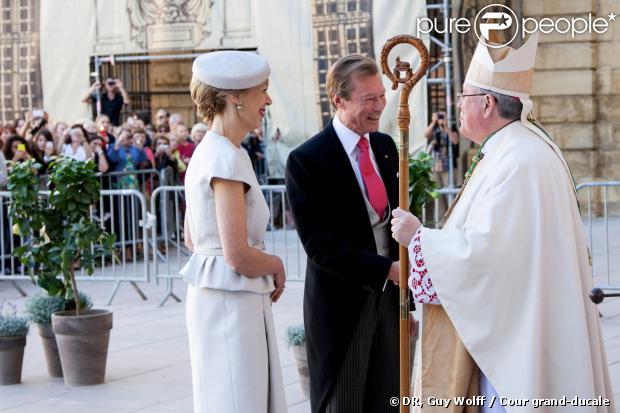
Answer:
(50, 349)
(11, 359)
(301, 358)
(83, 345)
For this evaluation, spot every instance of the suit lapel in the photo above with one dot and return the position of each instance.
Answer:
(344, 177)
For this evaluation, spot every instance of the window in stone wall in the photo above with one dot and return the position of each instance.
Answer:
(341, 27)
(20, 72)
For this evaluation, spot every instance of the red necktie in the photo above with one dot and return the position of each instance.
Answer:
(374, 185)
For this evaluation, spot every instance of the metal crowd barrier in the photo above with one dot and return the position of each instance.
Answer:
(143, 180)
(166, 221)
(166, 224)
(124, 212)
(438, 208)
(120, 211)
(598, 231)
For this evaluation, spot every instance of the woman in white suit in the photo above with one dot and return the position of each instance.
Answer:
(232, 282)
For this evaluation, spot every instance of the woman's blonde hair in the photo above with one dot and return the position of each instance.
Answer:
(209, 100)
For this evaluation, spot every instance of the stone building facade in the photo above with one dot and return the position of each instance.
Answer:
(577, 90)
(20, 73)
(576, 86)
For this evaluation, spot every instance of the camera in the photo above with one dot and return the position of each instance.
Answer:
(111, 83)
(37, 124)
(440, 116)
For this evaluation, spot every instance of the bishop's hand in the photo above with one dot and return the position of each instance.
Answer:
(404, 226)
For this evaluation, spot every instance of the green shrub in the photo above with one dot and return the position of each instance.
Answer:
(295, 335)
(11, 324)
(58, 231)
(422, 187)
(41, 306)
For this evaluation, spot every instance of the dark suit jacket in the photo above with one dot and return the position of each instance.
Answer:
(335, 230)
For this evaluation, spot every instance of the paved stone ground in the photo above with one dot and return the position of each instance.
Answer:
(148, 364)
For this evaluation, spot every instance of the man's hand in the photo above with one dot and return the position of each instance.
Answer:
(118, 84)
(120, 141)
(404, 225)
(394, 274)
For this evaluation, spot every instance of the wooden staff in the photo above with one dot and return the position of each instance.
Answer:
(409, 80)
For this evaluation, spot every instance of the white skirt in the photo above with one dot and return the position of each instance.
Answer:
(233, 352)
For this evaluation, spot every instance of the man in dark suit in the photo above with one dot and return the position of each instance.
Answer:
(342, 185)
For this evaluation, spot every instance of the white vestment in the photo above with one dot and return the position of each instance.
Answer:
(512, 272)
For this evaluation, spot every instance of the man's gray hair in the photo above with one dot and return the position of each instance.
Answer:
(508, 107)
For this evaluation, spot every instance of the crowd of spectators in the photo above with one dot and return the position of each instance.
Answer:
(133, 145)
(130, 152)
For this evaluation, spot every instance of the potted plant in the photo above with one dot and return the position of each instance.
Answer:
(296, 340)
(39, 309)
(422, 187)
(59, 235)
(13, 330)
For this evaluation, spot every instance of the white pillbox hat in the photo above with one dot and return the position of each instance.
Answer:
(231, 69)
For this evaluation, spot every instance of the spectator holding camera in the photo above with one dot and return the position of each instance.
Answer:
(43, 149)
(124, 156)
(15, 149)
(253, 144)
(140, 139)
(438, 136)
(59, 132)
(112, 95)
(33, 122)
(75, 145)
(98, 155)
(105, 130)
(174, 149)
(163, 154)
(184, 146)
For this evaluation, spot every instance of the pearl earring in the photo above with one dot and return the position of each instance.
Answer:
(239, 107)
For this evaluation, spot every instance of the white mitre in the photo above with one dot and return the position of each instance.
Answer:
(231, 69)
(510, 71)
(504, 70)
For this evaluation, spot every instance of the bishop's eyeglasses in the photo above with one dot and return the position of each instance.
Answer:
(460, 96)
